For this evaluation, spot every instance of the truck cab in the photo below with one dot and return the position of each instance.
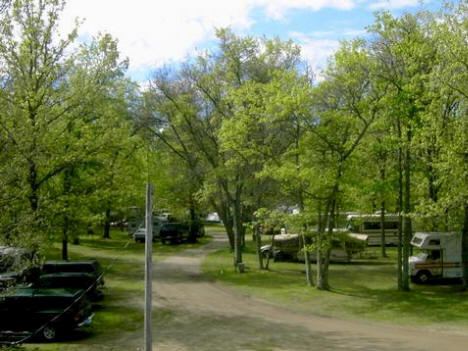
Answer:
(439, 256)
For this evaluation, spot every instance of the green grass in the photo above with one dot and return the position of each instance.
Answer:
(363, 289)
(121, 311)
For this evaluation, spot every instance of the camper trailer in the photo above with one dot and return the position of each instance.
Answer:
(369, 224)
(440, 256)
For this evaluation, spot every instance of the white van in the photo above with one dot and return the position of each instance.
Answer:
(440, 256)
(369, 224)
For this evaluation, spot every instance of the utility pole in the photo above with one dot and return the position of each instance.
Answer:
(148, 267)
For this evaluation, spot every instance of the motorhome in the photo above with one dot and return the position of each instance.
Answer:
(439, 257)
(370, 225)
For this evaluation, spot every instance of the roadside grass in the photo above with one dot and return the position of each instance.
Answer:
(363, 289)
(121, 310)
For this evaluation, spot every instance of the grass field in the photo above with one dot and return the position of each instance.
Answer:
(122, 308)
(363, 289)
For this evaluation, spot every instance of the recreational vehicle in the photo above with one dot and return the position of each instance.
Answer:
(369, 224)
(440, 256)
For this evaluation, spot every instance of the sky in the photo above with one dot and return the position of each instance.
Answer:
(153, 33)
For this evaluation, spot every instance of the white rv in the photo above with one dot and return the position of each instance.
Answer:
(440, 256)
(369, 224)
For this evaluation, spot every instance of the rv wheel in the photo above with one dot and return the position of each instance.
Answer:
(423, 277)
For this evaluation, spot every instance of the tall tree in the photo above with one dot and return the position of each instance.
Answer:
(405, 57)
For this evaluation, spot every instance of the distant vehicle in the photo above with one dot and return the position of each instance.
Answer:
(140, 234)
(440, 256)
(213, 217)
(50, 312)
(90, 267)
(288, 247)
(370, 225)
(174, 232)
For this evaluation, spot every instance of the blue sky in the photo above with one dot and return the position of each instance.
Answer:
(153, 33)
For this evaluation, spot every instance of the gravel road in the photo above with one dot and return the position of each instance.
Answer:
(196, 314)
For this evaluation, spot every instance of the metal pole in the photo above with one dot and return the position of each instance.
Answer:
(148, 267)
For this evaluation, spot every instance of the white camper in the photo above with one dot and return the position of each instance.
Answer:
(369, 224)
(440, 256)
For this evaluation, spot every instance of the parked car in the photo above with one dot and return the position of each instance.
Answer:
(174, 232)
(46, 313)
(140, 234)
(90, 267)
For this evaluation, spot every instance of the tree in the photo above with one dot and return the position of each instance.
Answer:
(35, 103)
(404, 55)
(208, 95)
(345, 105)
(452, 122)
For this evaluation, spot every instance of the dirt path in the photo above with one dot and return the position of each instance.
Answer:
(201, 315)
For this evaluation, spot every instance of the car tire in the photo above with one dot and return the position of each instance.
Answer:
(49, 333)
(423, 277)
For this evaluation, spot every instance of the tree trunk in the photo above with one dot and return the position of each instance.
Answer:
(193, 219)
(382, 209)
(308, 267)
(237, 236)
(407, 229)
(272, 245)
(322, 268)
(32, 180)
(400, 210)
(323, 255)
(65, 249)
(382, 229)
(258, 241)
(225, 215)
(107, 221)
(465, 247)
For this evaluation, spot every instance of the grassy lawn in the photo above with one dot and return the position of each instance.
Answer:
(363, 289)
(121, 310)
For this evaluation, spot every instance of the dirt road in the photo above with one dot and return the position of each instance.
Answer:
(200, 315)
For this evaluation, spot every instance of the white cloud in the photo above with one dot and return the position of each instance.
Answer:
(354, 32)
(152, 33)
(277, 8)
(393, 4)
(316, 51)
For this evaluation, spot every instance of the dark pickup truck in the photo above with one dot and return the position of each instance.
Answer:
(46, 313)
(85, 275)
(174, 232)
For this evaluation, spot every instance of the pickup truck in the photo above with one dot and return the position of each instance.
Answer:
(45, 313)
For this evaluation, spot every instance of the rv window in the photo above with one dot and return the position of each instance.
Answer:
(417, 241)
(391, 225)
(371, 225)
(434, 242)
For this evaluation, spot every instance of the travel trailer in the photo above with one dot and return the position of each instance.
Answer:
(440, 256)
(369, 224)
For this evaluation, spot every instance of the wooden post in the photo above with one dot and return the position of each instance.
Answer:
(148, 268)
